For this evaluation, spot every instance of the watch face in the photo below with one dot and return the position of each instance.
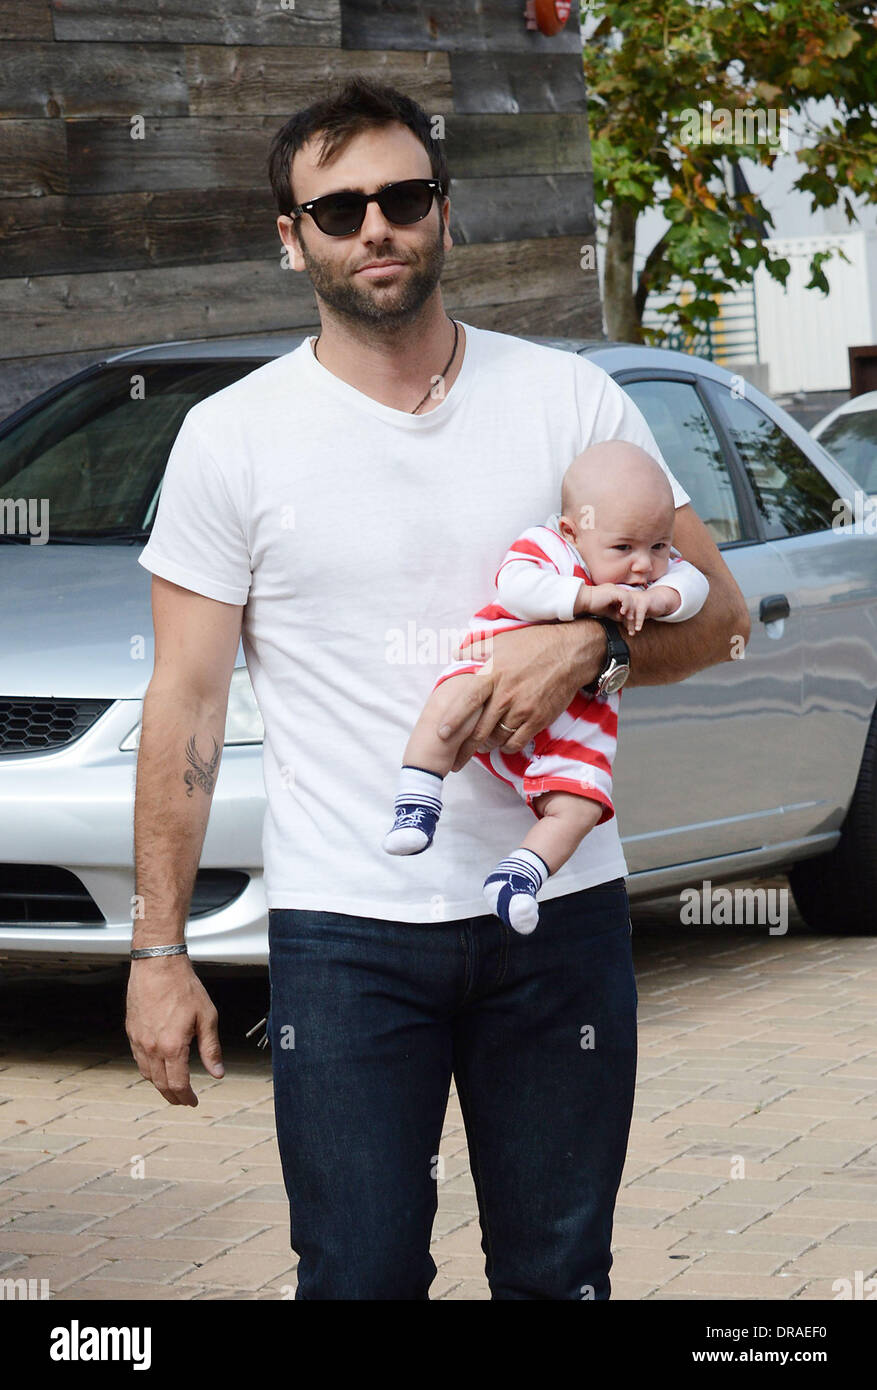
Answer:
(615, 679)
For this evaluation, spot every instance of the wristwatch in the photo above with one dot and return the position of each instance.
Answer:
(617, 665)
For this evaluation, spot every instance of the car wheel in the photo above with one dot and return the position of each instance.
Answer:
(837, 892)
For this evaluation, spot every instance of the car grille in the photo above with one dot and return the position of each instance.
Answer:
(39, 725)
(43, 895)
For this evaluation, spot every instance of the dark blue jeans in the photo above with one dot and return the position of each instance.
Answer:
(369, 1019)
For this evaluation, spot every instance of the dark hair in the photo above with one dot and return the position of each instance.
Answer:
(357, 106)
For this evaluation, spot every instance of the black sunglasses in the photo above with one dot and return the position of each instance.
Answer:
(341, 214)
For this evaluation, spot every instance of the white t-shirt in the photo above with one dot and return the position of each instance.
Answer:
(361, 538)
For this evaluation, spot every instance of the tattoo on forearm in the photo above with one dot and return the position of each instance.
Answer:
(204, 774)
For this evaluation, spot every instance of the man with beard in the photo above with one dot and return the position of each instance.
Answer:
(344, 506)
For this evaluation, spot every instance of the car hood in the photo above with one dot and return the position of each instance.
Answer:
(75, 621)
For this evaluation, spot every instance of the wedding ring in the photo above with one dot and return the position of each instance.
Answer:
(507, 729)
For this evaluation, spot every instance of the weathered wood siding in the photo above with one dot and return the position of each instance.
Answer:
(110, 241)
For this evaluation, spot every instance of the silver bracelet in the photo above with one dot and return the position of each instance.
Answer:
(180, 950)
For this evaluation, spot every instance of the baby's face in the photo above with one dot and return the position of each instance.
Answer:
(621, 542)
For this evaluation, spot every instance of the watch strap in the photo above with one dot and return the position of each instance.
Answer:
(616, 650)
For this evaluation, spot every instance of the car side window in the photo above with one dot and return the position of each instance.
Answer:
(792, 496)
(684, 433)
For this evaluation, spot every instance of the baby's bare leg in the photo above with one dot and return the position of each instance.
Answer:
(424, 748)
(425, 763)
(511, 888)
(566, 820)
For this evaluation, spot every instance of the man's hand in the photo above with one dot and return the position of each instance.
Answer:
(167, 1007)
(531, 676)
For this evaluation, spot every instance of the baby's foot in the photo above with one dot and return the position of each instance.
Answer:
(412, 830)
(418, 806)
(512, 887)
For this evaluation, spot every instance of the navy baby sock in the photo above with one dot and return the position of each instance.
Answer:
(418, 807)
(512, 887)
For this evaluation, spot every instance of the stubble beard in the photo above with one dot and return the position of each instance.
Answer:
(391, 305)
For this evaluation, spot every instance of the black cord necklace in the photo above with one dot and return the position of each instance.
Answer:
(443, 374)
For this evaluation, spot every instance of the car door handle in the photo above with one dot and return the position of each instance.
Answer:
(773, 607)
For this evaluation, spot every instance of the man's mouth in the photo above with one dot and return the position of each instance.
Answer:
(375, 269)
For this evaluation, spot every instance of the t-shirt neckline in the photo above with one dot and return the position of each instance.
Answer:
(403, 419)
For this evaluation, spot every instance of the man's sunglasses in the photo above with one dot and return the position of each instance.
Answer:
(342, 214)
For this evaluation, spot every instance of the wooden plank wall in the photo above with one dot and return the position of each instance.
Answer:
(109, 241)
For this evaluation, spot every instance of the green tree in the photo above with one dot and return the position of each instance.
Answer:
(650, 67)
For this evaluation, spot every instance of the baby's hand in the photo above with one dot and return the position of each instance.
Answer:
(600, 598)
(638, 604)
(631, 606)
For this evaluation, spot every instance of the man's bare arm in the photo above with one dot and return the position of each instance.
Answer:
(181, 738)
(661, 653)
(534, 672)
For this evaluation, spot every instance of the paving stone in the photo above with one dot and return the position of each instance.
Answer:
(100, 1290)
(94, 1204)
(147, 1220)
(198, 1198)
(818, 1228)
(442, 1286)
(856, 1233)
(145, 1271)
(718, 1284)
(258, 1213)
(48, 1220)
(718, 1216)
(772, 1195)
(630, 1290)
(741, 1262)
(238, 1271)
(469, 1290)
(835, 1262)
(643, 1237)
(816, 1290)
(188, 1250)
(838, 1152)
(14, 1241)
(217, 1227)
(61, 1270)
(700, 1183)
(659, 1199)
(784, 1245)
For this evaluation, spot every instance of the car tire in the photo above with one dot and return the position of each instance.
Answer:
(837, 892)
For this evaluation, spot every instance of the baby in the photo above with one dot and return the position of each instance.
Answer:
(609, 553)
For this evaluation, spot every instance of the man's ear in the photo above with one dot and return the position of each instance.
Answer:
(447, 239)
(286, 229)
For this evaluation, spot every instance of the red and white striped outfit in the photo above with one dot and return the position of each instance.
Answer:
(539, 579)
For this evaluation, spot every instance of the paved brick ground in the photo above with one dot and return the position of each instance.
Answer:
(752, 1171)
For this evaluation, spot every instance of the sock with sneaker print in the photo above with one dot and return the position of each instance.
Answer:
(512, 887)
(418, 807)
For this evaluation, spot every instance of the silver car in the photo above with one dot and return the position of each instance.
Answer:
(849, 433)
(763, 764)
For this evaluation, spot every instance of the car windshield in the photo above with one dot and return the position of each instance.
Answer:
(852, 439)
(95, 454)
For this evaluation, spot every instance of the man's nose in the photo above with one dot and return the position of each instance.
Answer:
(375, 226)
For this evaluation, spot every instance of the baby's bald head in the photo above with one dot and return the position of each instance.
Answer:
(615, 475)
(618, 513)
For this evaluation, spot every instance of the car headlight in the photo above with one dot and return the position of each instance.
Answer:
(243, 722)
